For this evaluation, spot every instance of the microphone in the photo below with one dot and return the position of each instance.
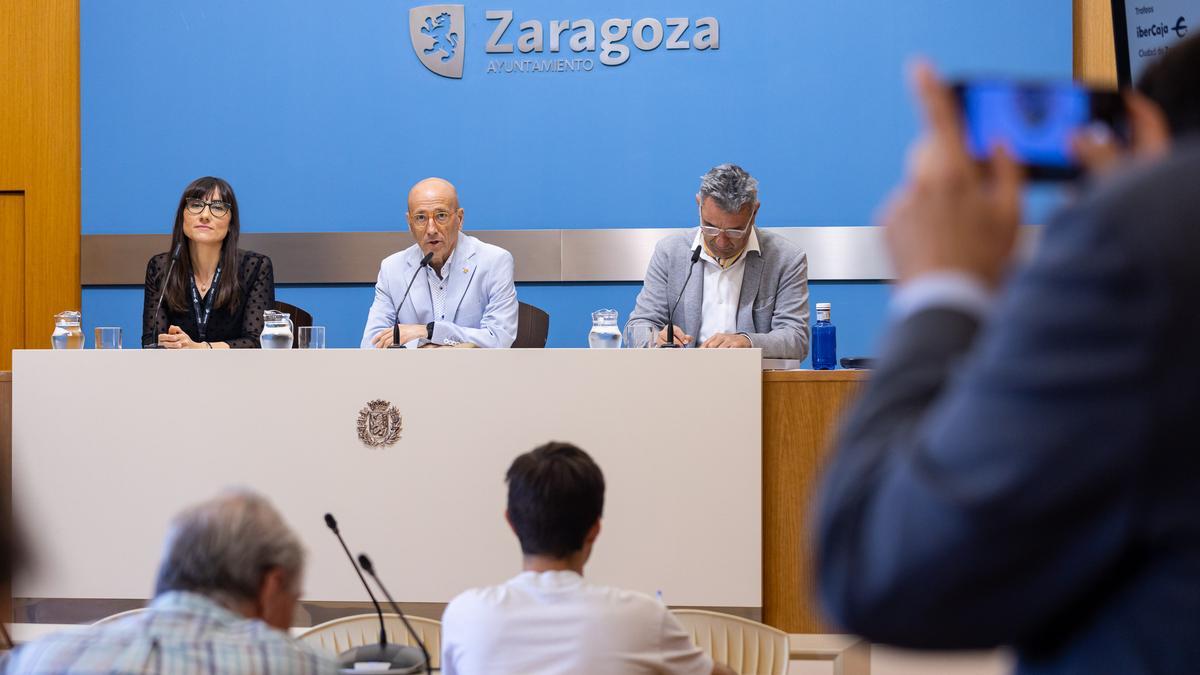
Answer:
(670, 343)
(393, 655)
(166, 277)
(396, 327)
(365, 563)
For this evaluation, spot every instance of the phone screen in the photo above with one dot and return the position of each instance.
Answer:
(1034, 121)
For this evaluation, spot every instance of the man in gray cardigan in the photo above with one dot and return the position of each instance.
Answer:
(750, 288)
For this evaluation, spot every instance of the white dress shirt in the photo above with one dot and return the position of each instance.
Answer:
(437, 286)
(546, 623)
(722, 290)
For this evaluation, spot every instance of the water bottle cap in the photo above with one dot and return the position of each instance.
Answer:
(824, 306)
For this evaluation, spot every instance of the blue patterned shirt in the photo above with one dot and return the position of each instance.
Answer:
(180, 634)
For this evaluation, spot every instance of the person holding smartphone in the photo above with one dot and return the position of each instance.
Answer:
(1020, 469)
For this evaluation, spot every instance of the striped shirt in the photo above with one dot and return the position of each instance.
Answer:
(180, 634)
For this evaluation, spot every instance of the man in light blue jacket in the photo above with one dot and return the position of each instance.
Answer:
(464, 295)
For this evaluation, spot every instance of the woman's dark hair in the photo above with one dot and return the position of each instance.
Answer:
(229, 287)
(555, 495)
(1173, 82)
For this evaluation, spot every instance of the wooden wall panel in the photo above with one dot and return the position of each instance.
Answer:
(12, 275)
(1095, 52)
(40, 157)
(39, 174)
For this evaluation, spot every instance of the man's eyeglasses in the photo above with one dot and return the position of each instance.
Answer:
(439, 217)
(217, 208)
(732, 233)
(710, 231)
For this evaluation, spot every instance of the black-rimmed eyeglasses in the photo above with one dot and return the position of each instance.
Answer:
(216, 207)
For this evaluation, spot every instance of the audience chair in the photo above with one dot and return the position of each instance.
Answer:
(336, 636)
(119, 615)
(533, 325)
(748, 647)
(299, 318)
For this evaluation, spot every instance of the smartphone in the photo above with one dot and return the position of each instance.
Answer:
(1036, 121)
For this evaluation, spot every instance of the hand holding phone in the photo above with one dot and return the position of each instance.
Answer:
(1037, 121)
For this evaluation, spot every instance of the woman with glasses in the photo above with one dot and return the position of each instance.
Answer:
(214, 295)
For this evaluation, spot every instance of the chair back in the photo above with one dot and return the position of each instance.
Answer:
(533, 325)
(299, 318)
(746, 646)
(119, 615)
(336, 636)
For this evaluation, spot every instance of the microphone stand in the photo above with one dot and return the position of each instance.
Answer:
(365, 563)
(158, 306)
(395, 326)
(670, 343)
(400, 658)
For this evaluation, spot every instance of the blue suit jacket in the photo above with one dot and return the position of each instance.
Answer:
(1034, 480)
(481, 300)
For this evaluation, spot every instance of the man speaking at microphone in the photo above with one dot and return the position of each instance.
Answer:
(752, 286)
(465, 294)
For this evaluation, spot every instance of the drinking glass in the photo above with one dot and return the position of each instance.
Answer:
(108, 337)
(640, 335)
(311, 337)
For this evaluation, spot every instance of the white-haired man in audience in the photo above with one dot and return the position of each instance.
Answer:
(227, 586)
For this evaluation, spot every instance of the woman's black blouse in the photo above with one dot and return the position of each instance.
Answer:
(239, 326)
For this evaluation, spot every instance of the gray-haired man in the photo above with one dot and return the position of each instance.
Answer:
(227, 586)
(753, 288)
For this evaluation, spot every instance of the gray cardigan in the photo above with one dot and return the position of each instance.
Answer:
(772, 309)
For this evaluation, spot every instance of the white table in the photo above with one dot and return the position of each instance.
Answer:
(108, 445)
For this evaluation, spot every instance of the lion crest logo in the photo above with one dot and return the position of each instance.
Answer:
(438, 35)
(379, 424)
(444, 41)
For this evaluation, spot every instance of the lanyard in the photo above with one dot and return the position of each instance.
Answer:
(203, 309)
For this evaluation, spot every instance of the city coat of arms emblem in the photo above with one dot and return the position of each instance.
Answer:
(438, 34)
(379, 424)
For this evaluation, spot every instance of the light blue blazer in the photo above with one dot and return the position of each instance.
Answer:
(481, 300)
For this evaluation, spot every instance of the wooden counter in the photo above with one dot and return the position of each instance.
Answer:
(801, 410)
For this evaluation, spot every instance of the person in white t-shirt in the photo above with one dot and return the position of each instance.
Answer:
(549, 619)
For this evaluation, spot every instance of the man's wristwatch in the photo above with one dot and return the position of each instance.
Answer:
(429, 331)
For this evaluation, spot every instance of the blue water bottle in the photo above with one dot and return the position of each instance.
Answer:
(824, 340)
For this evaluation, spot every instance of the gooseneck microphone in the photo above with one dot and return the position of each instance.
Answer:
(670, 343)
(331, 523)
(365, 563)
(153, 344)
(395, 326)
(396, 656)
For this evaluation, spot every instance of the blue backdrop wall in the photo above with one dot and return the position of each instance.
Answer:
(321, 115)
